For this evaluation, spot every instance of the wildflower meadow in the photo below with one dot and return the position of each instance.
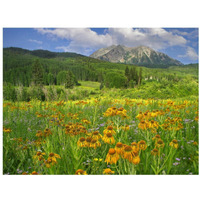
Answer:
(101, 136)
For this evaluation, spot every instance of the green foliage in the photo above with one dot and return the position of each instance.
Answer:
(70, 80)
(35, 93)
(37, 73)
(132, 84)
(66, 78)
(115, 80)
(9, 92)
(50, 78)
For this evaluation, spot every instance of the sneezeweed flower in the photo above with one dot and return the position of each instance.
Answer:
(156, 137)
(119, 148)
(174, 143)
(142, 145)
(136, 159)
(80, 172)
(95, 143)
(143, 125)
(195, 143)
(112, 157)
(24, 173)
(153, 124)
(108, 171)
(39, 134)
(108, 138)
(113, 111)
(139, 116)
(125, 128)
(96, 135)
(81, 142)
(7, 130)
(109, 129)
(88, 141)
(128, 153)
(39, 156)
(47, 132)
(135, 146)
(159, 143)
(51, 160)
(54, 156)
(34, 173)
(86, 121)
(154, 152)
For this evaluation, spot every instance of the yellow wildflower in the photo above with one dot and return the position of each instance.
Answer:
(112, 157)
(108, 171)
(80, 172)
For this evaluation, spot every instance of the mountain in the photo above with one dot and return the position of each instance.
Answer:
(141, 55)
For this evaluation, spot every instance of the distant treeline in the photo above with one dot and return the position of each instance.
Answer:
(69, 68)
(18, 67)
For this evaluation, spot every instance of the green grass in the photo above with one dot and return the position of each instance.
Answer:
(89, 84)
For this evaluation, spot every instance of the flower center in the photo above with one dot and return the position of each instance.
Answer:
(160, 141)
(119, 145)
(93, 141)
(111, 151)
(82, 139)
(128, 148)
(110, 128)
(109, 135)
(142, 142)
(175, 141)
(51, 154)
(95, 132)
(39, 153)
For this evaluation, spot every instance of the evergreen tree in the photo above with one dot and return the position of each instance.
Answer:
(101, 86)
(37, 73)
(127, 73)
(140, 77)
(50, 79)
(70, 80)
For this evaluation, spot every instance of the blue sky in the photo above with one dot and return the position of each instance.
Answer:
(178, 43)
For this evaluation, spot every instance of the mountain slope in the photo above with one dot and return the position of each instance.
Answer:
(142, 55)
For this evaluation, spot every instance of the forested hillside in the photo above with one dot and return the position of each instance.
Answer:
(18, 63)
(22, 69)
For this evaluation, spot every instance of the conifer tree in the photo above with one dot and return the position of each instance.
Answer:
(127, 73)
(50, 79)
(140, 77)
(70, 80)
(37, 73)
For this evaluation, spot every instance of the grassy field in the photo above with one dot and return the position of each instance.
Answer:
(101, 136)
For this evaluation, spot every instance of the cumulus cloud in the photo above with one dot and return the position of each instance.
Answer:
(81, 39)
(156, 38)
(35, 41)
(190, 53)
(86, 41)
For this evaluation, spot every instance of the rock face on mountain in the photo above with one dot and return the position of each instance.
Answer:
(140, 55)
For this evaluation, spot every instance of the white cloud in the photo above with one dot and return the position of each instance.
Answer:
(190, 54)
(85, 41)
(35, 41)
(179, 32)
